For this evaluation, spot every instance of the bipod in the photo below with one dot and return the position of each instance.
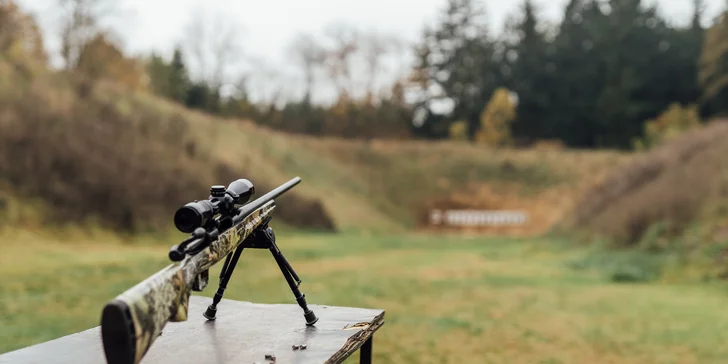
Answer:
(262, 238)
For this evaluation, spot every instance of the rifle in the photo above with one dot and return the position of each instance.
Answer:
(221, 226)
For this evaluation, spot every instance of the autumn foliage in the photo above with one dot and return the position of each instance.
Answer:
(20, 37)
(102, 59)
(674, 121)
(496, 118)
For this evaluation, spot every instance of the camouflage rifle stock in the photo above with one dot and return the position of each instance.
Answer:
(133, 320)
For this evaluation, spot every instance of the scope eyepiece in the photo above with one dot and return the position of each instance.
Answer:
(193, 215)
(241, 191)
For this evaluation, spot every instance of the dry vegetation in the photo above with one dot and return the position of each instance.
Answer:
(110, 152)
(132, 158)
(678, 184)
(409, 179)
(90, 158)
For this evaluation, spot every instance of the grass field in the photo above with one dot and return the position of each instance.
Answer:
(447, 299)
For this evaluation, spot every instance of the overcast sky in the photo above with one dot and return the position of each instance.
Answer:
(268, 26)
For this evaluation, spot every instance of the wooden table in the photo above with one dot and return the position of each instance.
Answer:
(243, 333)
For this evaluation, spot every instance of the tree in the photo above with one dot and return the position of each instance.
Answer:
(213, 49)
(580, 69)
(634, 42)
(20, 36)
(424, 123)
(674, 121)
(178, 77)
(200, 96)
(685, 46)
(533, 75)
(169, 80)
(345, 42)
(80, 24)
(618, 64)
(496, 118)
(458, 130)
(713, 68)
(375, 47)
(311, 56)
(456, 62)
(102, 58)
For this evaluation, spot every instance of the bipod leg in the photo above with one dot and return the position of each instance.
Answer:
(225, 273)
(291, 277)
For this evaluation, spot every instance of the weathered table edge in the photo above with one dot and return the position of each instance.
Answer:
(356, 341)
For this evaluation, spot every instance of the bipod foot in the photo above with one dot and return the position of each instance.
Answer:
(210, 313)
(308, 314)
(225, 273)
(310, 317)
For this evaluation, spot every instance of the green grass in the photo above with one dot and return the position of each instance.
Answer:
(447, 299)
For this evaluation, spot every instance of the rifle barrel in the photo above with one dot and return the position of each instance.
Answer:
(262, 200)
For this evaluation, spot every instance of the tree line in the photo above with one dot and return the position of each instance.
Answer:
(591, 81)
(594, 80)
(352, 61)
(609, 74)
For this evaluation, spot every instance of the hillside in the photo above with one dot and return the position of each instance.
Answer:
(133, 157)
(671, 199)
(385, 185)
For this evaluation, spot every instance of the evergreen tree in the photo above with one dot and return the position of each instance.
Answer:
(633, 42)
(201, 96)
(169, 79)
(713, 69)
(580, 69)
(178, 78)
(456, 61)
(531, 60)
(684, 54)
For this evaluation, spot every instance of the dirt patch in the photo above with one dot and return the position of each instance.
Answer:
(543, 210)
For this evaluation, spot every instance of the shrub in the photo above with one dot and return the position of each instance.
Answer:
(673, 122)
(496, 118)
(459, 130)
(89, 160)
(670, 185)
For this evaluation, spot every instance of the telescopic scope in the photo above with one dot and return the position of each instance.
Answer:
(221, 201)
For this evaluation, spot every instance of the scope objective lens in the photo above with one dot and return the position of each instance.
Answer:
(193, 215)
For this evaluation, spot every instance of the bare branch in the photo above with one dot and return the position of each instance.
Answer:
(375, 47)
(225, 50)
(311, 56)
(196, 37)
(213, 47)
(81, 21)
(345, 41)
